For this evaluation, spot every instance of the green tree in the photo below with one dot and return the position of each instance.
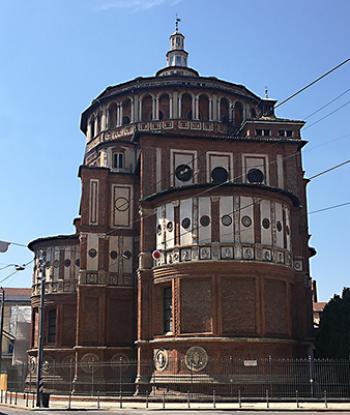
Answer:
(332, 338)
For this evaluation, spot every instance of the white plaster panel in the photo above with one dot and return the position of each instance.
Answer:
(204, 208)
(226, 208)
(288, 236)
(92, 243)
(217, 159)
(169, 217)
(125, 264)
(121, 206)
(265, 213)
(178, 157)
(279, 218)
(160, 212)
(94, 205)
(280, 171)
(246, 209)
(255, 161)
(186, 212)
(56, 263)
(67, 270)
(113, 246)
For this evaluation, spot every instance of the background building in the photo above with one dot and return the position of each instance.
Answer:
(192, 239)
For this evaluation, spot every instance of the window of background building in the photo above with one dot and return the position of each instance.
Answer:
(51, 332)
(167, 310)
(118, 160)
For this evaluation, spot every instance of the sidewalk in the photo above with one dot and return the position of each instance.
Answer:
(111, 404)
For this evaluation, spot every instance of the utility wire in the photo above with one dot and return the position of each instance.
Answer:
(326, 105)
(312, 83)
(329, 208)
(327, 115)
(14, 272)
(330, 169)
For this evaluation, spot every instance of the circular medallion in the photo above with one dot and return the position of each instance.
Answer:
(196, 358)
(219, 175)
(183, 172)
(113, 254)
(255, 176)
(126, 254)
(226, 220)
(119, 361)
(170, 226)
(205, 220)
(121, 204)
(246, 221)
(56, 263)
(266, 223)
(186, 223)
(67, 262)
(77, 262)
(88, 362)
(159, 229)
(68, 360)
(92, 252)
(161, 359)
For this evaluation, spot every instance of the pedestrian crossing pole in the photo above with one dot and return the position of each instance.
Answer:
(40, 357)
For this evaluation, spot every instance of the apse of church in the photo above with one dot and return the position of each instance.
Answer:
(191, 242)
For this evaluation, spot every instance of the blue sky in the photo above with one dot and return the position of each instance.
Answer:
(57, 55)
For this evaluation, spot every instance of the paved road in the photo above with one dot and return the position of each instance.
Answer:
(11, 411)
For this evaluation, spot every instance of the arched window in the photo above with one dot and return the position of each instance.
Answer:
(238, 113)
(186, 107)
(224, 111)
(147, 108)
(126, 111)
(98, 123)
(164, 107)
(203, 108)
(92, 127)
(112, 115)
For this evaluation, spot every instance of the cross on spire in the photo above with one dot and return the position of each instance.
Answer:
(177, 21)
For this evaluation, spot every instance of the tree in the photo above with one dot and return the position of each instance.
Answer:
(333, 334)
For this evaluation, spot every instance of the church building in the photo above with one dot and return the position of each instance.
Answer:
(191, 243)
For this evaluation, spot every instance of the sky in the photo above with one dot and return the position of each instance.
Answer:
(57, 55)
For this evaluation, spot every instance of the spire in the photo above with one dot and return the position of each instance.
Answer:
(177, 56)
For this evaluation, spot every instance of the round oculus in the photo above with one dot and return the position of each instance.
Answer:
(159, 229)
(205, 220)
(67, 262)
(186, 223)
(226, 220)
(246, 221)
(183, 172)
(121, 204)
(266, 223)
(92, 252)
(219, 175)
(113, 254)
(170, 226)
(255, 176)
(127, 255)
(279, 226)
(77, 262)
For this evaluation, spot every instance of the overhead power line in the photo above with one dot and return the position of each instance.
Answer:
(326, 105)
(328, 115)
(330, 169)
(329, 208)
(313, 82)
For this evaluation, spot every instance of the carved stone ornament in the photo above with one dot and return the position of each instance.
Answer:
(196, 358)
(88, 362)
(161, 359)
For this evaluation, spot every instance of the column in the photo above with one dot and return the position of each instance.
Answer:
(88, 132)
(104, 122)
(210, 109)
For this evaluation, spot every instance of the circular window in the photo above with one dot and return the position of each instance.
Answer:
(159, 229)
(92, 252)
(170, 226)
(266, 223)
(127, 255)
(246, 221)
(186, 223)
(67, 262)
(287, 230)
(219, 175)
(114, 254)
(255, 176)
(226, 220)
(121, 204)
(183, 172)
(279, 226)
(205, 220)
(77, 262)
